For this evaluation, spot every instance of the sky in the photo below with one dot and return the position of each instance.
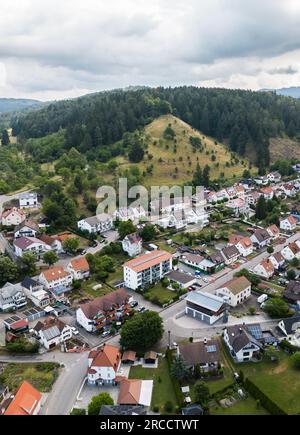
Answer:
(54, 49)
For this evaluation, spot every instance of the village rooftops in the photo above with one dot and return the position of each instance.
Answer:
(230, 252)
(237, 285)
(55, 274)
(105, 303)
(28, 223)
(148, 260)
(262, 235)
(240, 336)
(7, 212)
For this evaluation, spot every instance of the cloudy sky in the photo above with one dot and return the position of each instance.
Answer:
(54, 49)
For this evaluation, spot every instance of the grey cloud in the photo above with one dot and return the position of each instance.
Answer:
(289, 70)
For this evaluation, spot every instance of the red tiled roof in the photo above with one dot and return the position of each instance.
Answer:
(55, 273)
(108, 356)
(25, 401)
(130, 391)
(148, 260)
(80, 264)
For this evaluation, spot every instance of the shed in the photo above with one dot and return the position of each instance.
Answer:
(129, 357)
(150, 357)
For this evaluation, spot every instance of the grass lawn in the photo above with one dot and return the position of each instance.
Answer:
(280, 382)
(161, 294)
(245, 407)
(41, 375)
(162, 391)
(87, 287)
(163, 245)
(116, 276)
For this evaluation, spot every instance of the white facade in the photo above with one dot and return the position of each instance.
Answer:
(28, 200)
(243, 355)
(132, 247)
(244, 250)
(12, 297)
(234, 299)
(97, 224)
(54, 336)
(36, 247)
(263, 271)
(57, 281)
(288, 224)
(13, 217)
(84, 321)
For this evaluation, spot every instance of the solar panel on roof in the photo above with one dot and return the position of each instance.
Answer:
(256, 332)
(211, 349)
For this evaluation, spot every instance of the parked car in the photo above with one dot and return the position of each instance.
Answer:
(106, 334)
(134, 304)
(141, 309)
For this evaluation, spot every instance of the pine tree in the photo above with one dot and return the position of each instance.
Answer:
(206, 177)
(198, 177)
(261, 208)
(5, 138)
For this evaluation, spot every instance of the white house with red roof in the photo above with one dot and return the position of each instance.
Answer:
(265, 269)
(291, 251)
(277, 260)
(245, 246)
(288, 224)
(133, 245)
(13, 217)
(274, 231)
(79, 268)
(267, 193)
(56, 277)
(104, 365)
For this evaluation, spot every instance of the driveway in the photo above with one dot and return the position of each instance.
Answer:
(89, 391)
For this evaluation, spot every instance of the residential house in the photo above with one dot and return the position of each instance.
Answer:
(192, 260)
(57, 281)
(292, 293)
(245, 247)
(205, 307)
(53, 242)
(290, 328)
(79, 268)
(274, 232)
(231, 254)
(30, 244)
(102, 312)
(27, 401)
(204, 354)
(97, 224)
(133, 214)
(261, 238)
(26, 229)
(288, 224)
(288, 190)
(13, 217)
(103, 365)
(252, 198)
(291, 251)
(28, 200)
(243, 346)
(274, 177)
(261, 181)
(12, 297)
(218, 261)
(277, 260)
(133, 245)
(36, 293)
(135, 392)
(147, 269)
(265, 269)
(52, 332)
(235, 292)
(238, 206)
(182, 279)
(267, 193)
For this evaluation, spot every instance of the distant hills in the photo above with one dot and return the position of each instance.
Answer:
(293, 92)
(9, 105)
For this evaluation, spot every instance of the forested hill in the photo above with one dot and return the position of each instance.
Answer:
(245, 120)
(8, 105)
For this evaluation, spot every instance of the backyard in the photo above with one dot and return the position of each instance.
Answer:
(279, 381)
(163, 390)
(244, 407)
(41, 375)
(160, 295)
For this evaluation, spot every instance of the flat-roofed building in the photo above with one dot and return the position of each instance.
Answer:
(205, 307)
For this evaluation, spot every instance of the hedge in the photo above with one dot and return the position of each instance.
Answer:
(285, 345)
(267, 403)
(177, 388)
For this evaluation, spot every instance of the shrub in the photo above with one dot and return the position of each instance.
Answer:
(168, 407)
(270, 406)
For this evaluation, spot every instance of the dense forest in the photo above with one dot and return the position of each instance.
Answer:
(91, 124)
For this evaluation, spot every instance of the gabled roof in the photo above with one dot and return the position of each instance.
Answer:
(105, 303)
(240, 336)
(55, 273)
(291, 324)
(80, 264)
(16, 210)
(194, 258)
(293, 291)
(237, 285)
(268, 266)
(246, 242)
(29, 224)
(130, 391)
(133, 239)
(25, 401)
(25, 242)
(274, 230)
(201, 353)
(230, 252)
(261, 235)
(107, 356)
